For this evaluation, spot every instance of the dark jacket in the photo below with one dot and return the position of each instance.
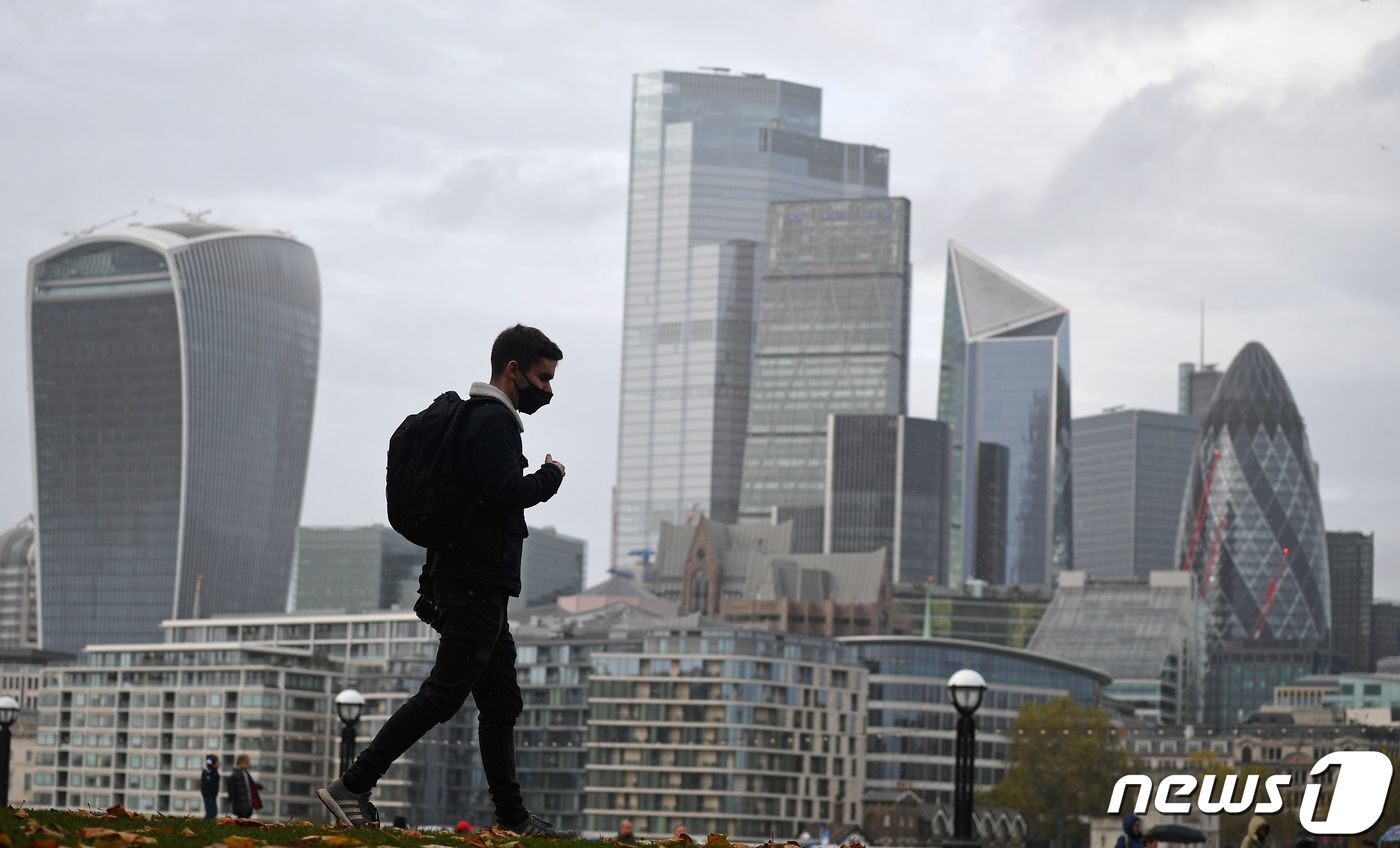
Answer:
(1128, 840)
(243, 793)
(209, 781)
(489, 456)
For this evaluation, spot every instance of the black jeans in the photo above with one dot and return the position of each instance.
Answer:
(476, 656)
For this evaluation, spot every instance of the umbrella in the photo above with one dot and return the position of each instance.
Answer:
(1176, 833)
(1391, 835)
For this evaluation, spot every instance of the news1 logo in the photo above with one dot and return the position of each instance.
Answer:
(1358, 797)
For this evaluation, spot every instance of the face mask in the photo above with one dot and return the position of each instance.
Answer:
(531, 397)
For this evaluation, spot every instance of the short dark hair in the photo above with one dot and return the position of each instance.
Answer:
(524, 345)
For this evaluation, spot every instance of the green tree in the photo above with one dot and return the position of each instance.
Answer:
(1063, 761)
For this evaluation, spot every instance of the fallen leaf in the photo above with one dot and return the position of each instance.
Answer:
(21, 814)
(6, 841)
(98, 833)
(340, 841)
(187, 833)
(717, 840)
(43, 843)
(307, 840)
(238, 842)
(118, 811)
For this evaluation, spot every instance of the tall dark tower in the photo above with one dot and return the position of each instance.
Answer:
(173, 374)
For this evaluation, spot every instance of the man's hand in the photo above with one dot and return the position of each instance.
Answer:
(427, 612)
(550, 460)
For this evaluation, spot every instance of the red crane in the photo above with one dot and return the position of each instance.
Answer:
(1211, 556)
(1199, 522)
(1269, 593)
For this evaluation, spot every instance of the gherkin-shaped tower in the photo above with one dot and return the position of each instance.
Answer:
(1251, 517)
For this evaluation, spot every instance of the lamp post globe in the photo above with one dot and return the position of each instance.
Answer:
(349, 706)
(966, 687)
(9, 711)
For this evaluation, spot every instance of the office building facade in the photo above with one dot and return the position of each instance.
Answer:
(552, 565)
(1148, 633)
(1351, 568)
(1005, 381)
(173, 372)
(19, 612)
(1129, 472)
(710, 152)
(1385, 630)
(354, 569)
(832, 338)
(887, 482)
(1195, 388)
(911, 723)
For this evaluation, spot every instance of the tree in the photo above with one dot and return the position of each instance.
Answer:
(1063, 761)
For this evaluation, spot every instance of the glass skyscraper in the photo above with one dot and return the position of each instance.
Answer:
(710, 152)
(1004, 389)
(1351, 565)
(832, 339)
(1251, 528)
(1129, 471)
(173, 374)
(887, 487)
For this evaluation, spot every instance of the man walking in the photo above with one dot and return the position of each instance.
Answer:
(464, 590)
(243, 790)
(209, 786)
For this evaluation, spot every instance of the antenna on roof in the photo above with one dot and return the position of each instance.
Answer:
(194, 217)
(714, 68)
(72, 234)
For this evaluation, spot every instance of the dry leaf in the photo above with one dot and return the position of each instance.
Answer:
(307, 840)
(98, 833)
(21, 814)
(717, 840)
(43, 843)
(238, 842)
(187, 833)
(120, 812)
(6, 841)
(340, 841)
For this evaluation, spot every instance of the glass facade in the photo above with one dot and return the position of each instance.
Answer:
(709, 153)
(551, 565)
(1129, 472)
(354, 568)
(911, 724)
(1148, 633)
(1351, 567)
(1251, 529)
(887, 487)
(173, 377)
(1196, 387)
(832, 338)
(1005, 380)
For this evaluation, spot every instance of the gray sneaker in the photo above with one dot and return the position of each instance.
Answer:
(536, 826)
(348, 808)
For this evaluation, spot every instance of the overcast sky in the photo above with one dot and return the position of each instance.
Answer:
(460, 170)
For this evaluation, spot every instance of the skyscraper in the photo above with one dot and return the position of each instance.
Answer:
(1195, 386)
(1351, 566)
(832, 339)
(173, 376)
(710, 151)
(551, 565)
(887, 487)
(1385, 630)
(1251, 528)
(1129, 471)
(1005, 380)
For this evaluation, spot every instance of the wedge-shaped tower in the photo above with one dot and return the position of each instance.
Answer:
(1004, 387)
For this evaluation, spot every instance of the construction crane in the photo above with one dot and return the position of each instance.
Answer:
(72, 234)
(196, 216)
(1271, 592)
(1198, 523)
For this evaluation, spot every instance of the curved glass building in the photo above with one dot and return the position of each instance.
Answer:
(911, 723)
(1251, 517)
(173, 374)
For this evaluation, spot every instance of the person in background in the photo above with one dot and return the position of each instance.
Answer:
(1132, 833)
(625, 833)
(209, 786)
(1258, 834)
(679, 831)
(464, 826)
(401, 822)
(243, 790)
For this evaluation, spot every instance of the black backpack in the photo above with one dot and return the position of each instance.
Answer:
(429, 504)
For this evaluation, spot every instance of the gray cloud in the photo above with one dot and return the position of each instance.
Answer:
(458, 170)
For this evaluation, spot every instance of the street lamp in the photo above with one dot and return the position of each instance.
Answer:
(967, 688)
(349, 705)
(9, 710)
